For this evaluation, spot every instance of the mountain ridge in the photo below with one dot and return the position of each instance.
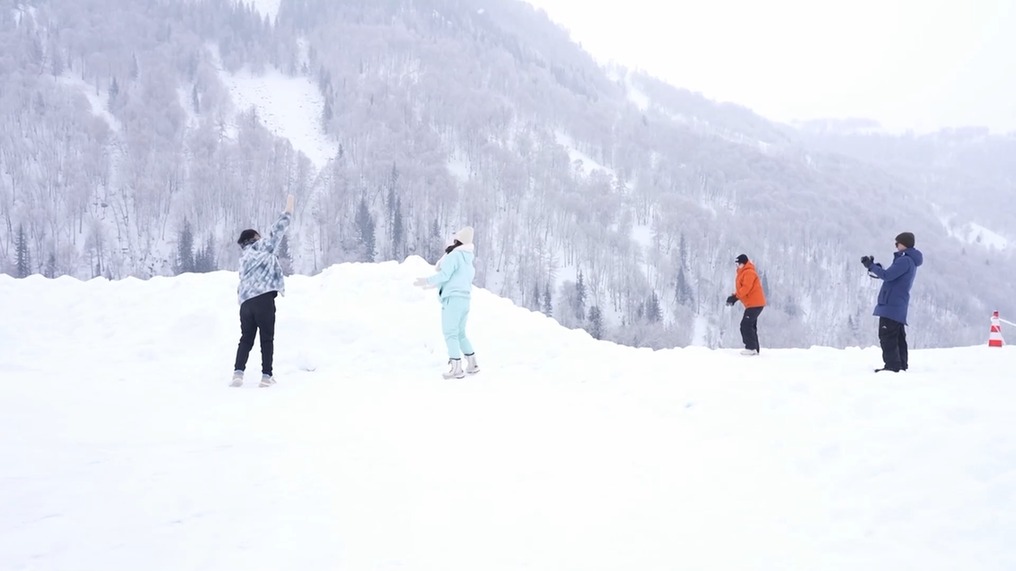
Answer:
(409, 89)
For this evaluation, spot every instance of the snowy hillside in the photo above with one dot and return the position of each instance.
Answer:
(96, 104)
(267, 8)
(199, 117)
(289, 107)
(124, 448)
(973, 233)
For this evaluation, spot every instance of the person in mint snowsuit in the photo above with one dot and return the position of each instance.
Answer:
(454, 280)
(894, 300)
(261, 280)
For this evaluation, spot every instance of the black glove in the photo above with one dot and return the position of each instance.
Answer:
(731, 300)
(867, 261)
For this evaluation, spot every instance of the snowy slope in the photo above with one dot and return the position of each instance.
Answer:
(974, 233)
(267, 8)
(290, 107)
(970, 232)
(98, 105)
(582, 164)
(124, 448)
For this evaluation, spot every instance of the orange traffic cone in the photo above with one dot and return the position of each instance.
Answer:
(995, 337)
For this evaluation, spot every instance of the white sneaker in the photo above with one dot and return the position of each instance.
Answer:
(266, 381)
(749, 352)
(454, 370)
(471, 367)
(237, 379)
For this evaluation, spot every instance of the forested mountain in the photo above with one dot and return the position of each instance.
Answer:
(137, 138)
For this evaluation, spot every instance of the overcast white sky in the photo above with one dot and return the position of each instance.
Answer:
(909, 64)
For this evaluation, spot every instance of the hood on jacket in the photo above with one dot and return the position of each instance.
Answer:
(914, 254)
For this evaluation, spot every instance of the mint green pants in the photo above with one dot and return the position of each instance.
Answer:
(454, 312)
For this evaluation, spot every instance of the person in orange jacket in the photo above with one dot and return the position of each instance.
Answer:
(749, 293)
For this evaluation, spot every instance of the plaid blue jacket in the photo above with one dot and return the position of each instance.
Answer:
(260, 270)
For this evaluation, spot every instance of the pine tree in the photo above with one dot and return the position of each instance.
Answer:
(548, 305)
(34, 50)
(50, 271)
(398, 232)
(683, 293)
(114, 93)
(57, 62)
(852, 326)
(134, 68)
(534, 297)
(393, 177)
(211, 264)
(327, 114)
(285, 259)
(204, 259)
(433, 245)
(595, 322)
(365, 225)
(324, 80)
(653, 311)
(24, 258)
(580, 298)
(185, 249)
(394, 204)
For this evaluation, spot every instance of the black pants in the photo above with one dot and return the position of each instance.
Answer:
(892, 336)
(257, 314)
(749, 328)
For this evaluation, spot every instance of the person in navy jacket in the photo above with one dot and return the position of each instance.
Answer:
(894, 300)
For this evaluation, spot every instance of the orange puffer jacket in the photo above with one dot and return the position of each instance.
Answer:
(749, 287)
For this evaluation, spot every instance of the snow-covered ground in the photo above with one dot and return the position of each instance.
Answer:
(124, 448)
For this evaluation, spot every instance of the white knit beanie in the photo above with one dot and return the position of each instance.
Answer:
(465, 235)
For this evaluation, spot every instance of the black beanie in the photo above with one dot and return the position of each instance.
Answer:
(247, 236)
(742, 259)
(906, 238)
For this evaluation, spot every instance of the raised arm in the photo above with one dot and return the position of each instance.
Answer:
(271, 244)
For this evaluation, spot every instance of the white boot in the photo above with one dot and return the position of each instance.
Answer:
(471, 367)
(454, 370)
(266, 381)
(237, 379)
(749, 352)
